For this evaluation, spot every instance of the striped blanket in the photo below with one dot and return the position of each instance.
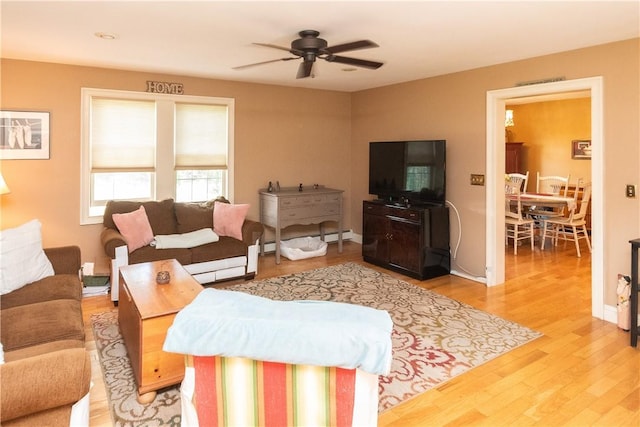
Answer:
(227, 391)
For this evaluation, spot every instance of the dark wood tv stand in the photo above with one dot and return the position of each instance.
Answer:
(413, 240)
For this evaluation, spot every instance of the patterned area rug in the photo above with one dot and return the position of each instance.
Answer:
(434, 339)
(120, 384)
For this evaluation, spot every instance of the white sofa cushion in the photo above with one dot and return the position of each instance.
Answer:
(22, 259)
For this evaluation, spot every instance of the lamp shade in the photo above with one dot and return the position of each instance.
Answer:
(4, 189)
(508, 118)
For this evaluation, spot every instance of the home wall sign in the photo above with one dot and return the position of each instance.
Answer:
(165, 87)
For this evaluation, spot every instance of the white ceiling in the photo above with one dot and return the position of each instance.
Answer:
(417, 39)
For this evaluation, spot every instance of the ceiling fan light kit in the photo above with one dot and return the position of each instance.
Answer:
(310, 46)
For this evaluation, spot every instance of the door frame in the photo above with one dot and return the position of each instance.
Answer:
(495, 169)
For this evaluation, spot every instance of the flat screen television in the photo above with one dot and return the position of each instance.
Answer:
(409, 172)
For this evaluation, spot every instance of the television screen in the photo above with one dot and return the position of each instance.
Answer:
(408, 171)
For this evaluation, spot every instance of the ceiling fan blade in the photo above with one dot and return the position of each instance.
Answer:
(354, 61)
(242, 67)
(304, 70)
(274, 46)
(361, 44)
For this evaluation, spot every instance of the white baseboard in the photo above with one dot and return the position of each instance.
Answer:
(610, 314)
(468, 276)
(328, 237)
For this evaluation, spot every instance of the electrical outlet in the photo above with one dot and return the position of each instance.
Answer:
(477, 179)
(631, 191)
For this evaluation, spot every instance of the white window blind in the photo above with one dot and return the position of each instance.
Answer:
(123, 135)
(201, 136)
(147, 146)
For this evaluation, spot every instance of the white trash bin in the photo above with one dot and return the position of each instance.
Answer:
(303, 247)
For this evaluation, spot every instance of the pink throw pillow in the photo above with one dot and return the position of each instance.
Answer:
(135, 228)
(228, 219)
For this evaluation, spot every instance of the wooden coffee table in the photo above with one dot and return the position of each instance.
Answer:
(145, 312)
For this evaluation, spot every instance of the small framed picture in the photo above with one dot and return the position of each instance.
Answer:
(24, 135)
(581, 149)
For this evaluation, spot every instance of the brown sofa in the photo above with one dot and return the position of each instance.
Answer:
(225, 259)
(47, 369)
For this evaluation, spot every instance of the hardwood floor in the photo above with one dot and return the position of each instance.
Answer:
(581, 372)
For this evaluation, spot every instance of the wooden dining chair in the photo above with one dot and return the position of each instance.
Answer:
(517, 227)
(522, 178)
(573, 228)
(554, 185)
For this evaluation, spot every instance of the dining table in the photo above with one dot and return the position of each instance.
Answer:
(542, 200)
(539, 202)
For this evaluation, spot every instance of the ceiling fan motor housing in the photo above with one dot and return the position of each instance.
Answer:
(309, 44)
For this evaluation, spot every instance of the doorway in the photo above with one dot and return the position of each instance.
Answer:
(495, 169)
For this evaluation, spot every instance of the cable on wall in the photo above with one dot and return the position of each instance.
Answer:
(455, 252)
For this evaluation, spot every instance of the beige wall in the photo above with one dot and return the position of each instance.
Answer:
(296, 135)
(291, 135)
(547, 130)
(453, 107)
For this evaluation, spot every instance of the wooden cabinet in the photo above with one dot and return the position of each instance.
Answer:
(411, 240)
(146, 310)
(375, 232)
(290, 206)
(513, 157)
(405, 244)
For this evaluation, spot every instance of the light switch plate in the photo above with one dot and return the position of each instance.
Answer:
(477, 179)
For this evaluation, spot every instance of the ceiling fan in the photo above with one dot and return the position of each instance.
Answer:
(309, 47)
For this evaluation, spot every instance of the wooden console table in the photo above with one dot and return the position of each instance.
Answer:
(290, 206)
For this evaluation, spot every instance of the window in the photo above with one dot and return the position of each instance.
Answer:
(418, 177)
(143, 146)
(200, 151)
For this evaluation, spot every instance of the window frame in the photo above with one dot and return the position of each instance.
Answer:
(165, 174)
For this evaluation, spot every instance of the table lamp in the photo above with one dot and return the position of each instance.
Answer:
(4, 189)
(508, 122)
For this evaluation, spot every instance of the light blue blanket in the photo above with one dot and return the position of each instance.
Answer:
(236, 324)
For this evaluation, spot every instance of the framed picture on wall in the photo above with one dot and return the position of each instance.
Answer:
(581, 149)
(24, 135)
